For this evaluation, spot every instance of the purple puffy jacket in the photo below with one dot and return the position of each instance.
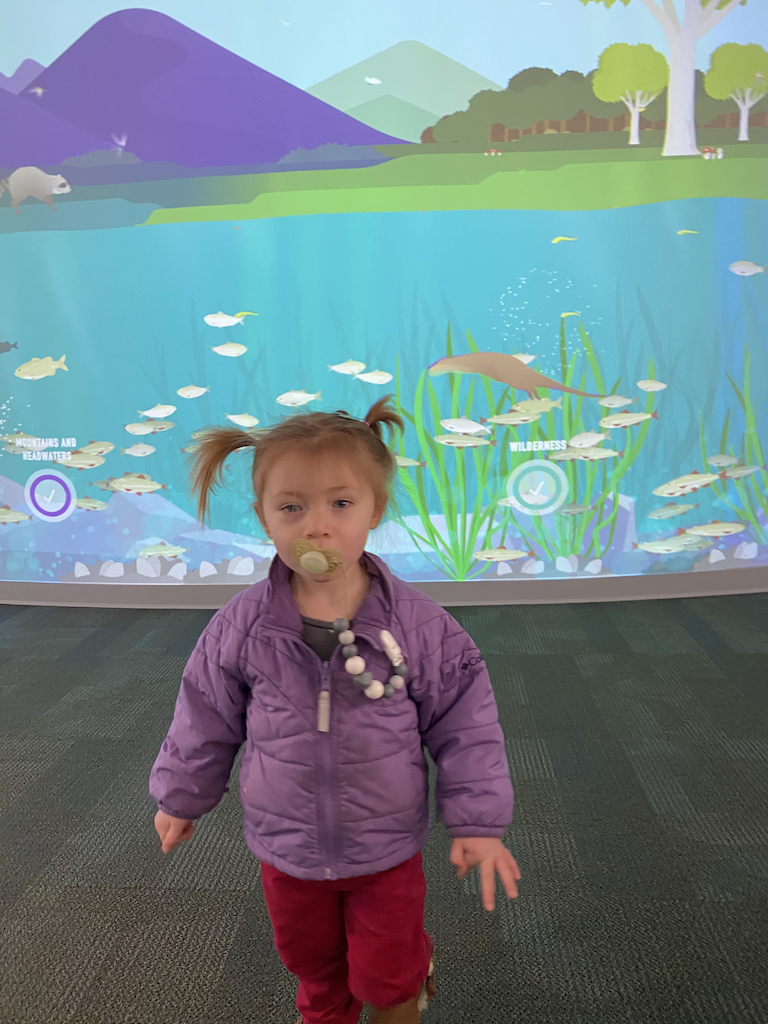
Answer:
(351, 798)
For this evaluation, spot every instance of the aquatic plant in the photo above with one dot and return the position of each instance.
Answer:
(750, 497)
(591, 484)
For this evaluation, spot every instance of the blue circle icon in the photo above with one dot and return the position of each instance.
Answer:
(536, 488)
(50, 495)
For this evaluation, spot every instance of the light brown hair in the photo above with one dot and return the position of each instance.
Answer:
(311, 433)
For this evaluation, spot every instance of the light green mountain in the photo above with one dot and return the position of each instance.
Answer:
(426, 83)
(395, 117)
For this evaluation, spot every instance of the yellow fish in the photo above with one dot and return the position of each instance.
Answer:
(686, 232)
(502, 554)
(563, 238)
(36, 368)
(716, 529)
(91, 504)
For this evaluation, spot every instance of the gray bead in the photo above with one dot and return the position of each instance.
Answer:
(340, 625)
(401, 669)
(363, 681)
(388, 689)
(349, 651)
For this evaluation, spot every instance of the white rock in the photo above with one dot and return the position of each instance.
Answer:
(569, 564)
(232, 567)
(716, 556)
(112, 569)
(178, 571)
(746, 550)
(533, 567)
(81, 570)
(145, 568)
(504, 569)
(206, 569)
(244, 567)
(595, 566)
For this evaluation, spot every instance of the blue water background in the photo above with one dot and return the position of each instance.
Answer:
(126, 306)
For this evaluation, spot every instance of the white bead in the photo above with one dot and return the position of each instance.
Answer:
(376, 689)
(347, 637)
(397, 681)
(354, 665)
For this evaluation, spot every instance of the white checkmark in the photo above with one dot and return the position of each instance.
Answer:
(49, 499)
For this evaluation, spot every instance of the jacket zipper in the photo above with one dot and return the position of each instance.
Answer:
(323, 727)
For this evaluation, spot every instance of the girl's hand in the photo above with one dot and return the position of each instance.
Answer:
(173, 831)
(492, 856)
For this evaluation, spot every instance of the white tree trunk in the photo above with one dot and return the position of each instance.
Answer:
(634, 126)
(743, 121)
(680, 137)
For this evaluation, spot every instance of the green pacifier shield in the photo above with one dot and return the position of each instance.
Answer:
(537, 487)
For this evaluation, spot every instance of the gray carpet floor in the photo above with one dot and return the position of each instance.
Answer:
(637, 738)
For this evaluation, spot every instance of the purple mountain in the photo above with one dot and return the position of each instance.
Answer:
(33, 135)
(24, 75)
(172, 94)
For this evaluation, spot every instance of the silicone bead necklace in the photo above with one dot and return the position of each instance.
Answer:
(355, 665)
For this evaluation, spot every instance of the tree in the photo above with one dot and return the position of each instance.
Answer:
(739, 73)
(699, 17)
(633, 74)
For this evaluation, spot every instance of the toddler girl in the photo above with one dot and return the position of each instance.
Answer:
(334, 673)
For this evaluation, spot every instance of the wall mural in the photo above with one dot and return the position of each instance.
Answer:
(568, 306)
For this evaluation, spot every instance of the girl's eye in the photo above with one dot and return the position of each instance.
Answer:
(343, 501)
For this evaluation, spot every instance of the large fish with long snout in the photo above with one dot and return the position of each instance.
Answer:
(504, 368)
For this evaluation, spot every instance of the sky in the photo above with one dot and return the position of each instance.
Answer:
(306, 41)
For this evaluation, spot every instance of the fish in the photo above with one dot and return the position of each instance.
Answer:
(229, 348)
(97, 448)
(722, 460)
(695, 543)
(352, 367)
(191, 391)
(6, 346)
(242, 419)
(564, 315)
(690, 483)
(18, 436)
(162, 550)
(593, 454)
(401, 460)
(90, 504)
(746, 268)
(502, 554)
(158, 411)
(538, 405)
(134, 483)
(80, 460)
(651, 385)
(736, 472)
(588, 439)
(669, 510)
(684, 231)
(36, 368)
(572, 509)
(296, 398)
(714, 529)
(102, 484)
(616, 401)
(223, 320)
(462, 441)
(16, 449)
(627, 419)
(375, 377)
(8, 515)
(512, 419)
(524, 357)
(464, 426)
(140, 451)
(563, 238)
(504, 368)
(149, 426)
(568, 454)
(661, 547)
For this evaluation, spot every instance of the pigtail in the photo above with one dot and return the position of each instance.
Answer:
(380, 413)
(209, 451)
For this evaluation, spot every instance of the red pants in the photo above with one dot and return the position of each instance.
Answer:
(352, 940)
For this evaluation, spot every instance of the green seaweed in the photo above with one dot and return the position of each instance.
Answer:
(591, 484)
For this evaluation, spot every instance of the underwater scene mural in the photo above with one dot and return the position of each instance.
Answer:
(562, 282)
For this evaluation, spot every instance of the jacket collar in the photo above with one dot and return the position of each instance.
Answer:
(375, 613)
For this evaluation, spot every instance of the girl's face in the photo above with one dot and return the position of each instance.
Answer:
(318, 498)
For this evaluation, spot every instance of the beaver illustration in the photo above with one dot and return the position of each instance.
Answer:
(31, 181)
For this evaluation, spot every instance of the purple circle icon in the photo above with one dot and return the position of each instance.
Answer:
(51, 496)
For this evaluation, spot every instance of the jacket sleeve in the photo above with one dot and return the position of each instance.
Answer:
(459, 725)
(189, 776)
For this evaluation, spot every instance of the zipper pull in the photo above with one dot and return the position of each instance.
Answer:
(324, 711)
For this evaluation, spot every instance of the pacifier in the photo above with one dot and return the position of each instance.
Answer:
(319, 561)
